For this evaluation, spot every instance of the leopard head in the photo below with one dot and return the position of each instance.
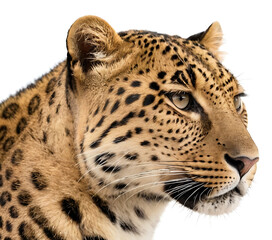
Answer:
(158, 115)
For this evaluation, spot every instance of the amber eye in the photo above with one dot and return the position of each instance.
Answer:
(181, 100)
(238, 103)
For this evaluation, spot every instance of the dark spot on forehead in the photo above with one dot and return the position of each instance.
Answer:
(174, 57)
(100, 121)
(106, 105)
(138, 130)
(141, 113)
(161, 74)
(136, 84)
(154, 86)
(115, 106)
(132, 98)
(120, 91)
(192, 75)
(149, 99)
(166, 50)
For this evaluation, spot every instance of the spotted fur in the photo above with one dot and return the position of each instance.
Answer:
(96, 148)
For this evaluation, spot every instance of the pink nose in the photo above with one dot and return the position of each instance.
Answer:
(242, 164)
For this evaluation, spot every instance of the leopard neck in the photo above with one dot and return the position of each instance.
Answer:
(39, 118)
(33, 108)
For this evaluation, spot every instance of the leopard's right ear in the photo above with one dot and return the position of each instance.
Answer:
(212, 39)
(91, 41)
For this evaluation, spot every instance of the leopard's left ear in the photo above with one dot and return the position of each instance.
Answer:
(91, 41)
(211, 38)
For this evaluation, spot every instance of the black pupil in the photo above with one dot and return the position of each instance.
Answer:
(181, 96)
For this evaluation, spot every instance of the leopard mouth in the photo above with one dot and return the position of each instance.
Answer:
(189, 195)
(198, 198)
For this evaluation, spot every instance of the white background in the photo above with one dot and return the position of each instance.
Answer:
(32, 40)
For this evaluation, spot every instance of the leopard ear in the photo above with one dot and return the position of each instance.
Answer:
(211, 38)
(91, 41)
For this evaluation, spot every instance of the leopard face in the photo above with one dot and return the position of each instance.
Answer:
(159, 117)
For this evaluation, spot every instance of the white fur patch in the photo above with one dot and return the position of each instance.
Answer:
(219, 205)
(99, 55)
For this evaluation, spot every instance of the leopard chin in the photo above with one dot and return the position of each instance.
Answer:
(219, 205)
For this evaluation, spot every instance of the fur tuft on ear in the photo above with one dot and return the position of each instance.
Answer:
(91, 41)
(212, 39)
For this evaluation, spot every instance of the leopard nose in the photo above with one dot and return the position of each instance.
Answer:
(242, 164)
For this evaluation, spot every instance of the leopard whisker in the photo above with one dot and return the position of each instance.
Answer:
(200, 195)
(165, 183)
(197, 184)
(200, 186)
(141, 176)
(154, 184)
(177, 188)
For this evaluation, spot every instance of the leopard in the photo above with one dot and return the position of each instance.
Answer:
(97, 148)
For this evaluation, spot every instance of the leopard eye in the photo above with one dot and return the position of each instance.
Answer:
(238, 103)
(181, 100)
